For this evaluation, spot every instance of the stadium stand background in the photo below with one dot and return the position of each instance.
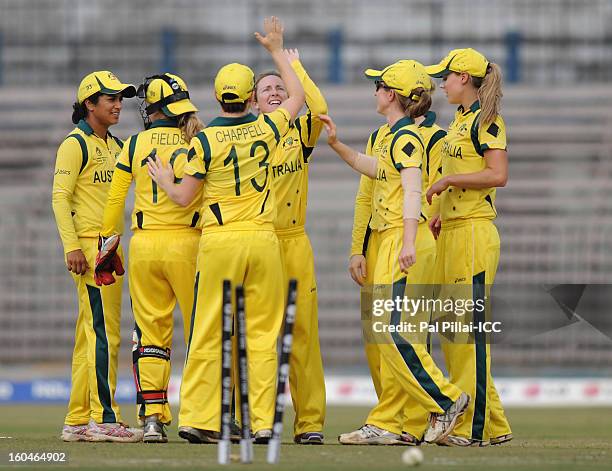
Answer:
(555, 214)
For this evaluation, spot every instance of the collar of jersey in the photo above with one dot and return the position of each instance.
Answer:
(223, 121)
(405, 121)
(475, 107)
(430, 119)
(86, 128)
(164, 123)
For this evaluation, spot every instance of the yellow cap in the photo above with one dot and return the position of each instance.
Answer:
(467, 60)
(234, 83)
(103, 81)
(403, 76)
(169, 92)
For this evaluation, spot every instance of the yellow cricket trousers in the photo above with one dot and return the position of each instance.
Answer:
(96, 346)
(306, 379)
(161, 271)
(409, 364)
(468, 254)
(393, 402)
(247, 254)
(395, 410)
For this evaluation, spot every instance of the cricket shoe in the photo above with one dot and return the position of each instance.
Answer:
(75, 433)
(262, 437)
(113, 432)
(370, 435)
(441, 425)
(154, 431)
(409, 439)
(309, 438)
(454, 440)
(501, 439)
(196, 435)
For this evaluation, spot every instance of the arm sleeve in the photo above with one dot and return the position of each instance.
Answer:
(310, 125)
(115, 204)
(493, 136)
(198, 157)
(435, 170)
(363, 210)
(362, 216)
(407, 152)
(67, 168)
(411, 184)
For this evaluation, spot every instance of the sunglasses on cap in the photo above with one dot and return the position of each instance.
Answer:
(380, 84)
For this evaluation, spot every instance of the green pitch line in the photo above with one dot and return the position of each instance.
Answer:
(546, 439)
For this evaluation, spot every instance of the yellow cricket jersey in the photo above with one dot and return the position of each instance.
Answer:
(431, 171)
(433, 136)
(232, 156)
(463, 152)
(290, 161)
(153, 209)
(83, 174)
(397, 147)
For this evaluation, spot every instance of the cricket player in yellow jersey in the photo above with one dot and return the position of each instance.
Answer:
(396, 208)
(83, 173)
(230, 158)
(474, 163)
(164, 247)
(395, 412)
(290, 182)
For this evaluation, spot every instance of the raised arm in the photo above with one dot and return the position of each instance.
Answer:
(364, 164)
(310, 124)
(273, 42)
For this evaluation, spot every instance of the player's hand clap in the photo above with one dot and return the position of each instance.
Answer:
(76, 262)
(273, 39)
(291, 55)
(330, 129)
(161, 174)
(437, 188)
(407, 257)
(435, 224)
(357, 269)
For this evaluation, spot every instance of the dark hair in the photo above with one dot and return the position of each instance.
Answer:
(239, 107)
(262, 76)
(412, 108)
(79, 111)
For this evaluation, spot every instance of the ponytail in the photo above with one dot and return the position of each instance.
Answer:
(489, 94)
(79, 112)
(190, 124)
(418, 107)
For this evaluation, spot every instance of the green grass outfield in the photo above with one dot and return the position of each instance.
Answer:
(549, 439)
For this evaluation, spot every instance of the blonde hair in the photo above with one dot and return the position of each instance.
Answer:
(413, 108)
(190, 124)
(489, 94)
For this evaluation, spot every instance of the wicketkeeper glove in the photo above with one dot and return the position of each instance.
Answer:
(107, 260)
